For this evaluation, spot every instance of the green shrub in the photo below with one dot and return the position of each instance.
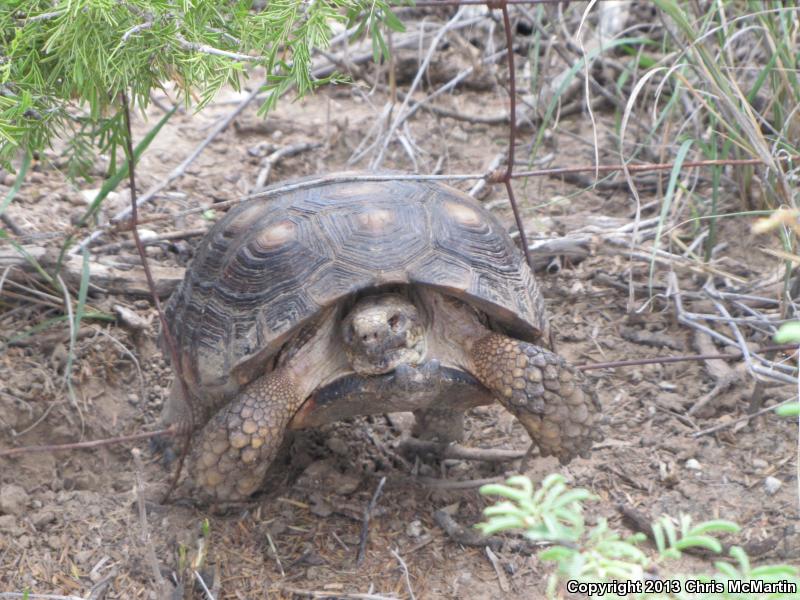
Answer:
(598, 561)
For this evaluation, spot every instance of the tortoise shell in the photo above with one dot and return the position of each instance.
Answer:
(271, 264)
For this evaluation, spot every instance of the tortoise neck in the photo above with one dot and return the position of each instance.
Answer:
(316, 358)
(453, 328)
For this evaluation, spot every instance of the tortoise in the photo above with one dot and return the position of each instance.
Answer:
(332, 299)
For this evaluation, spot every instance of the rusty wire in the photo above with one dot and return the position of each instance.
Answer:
(165, 331)
(512, 130)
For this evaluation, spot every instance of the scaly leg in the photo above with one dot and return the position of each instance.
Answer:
(545, 393)
(233, 451)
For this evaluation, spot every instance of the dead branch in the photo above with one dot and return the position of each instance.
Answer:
(403, 566)
(115, 278)
(472, 537)
(150, 241)
(460, 452)
(376, 163)
(743, 419)
(684, 358)
(170, 431)
(270, 161)
(724, 377)
(764, 369)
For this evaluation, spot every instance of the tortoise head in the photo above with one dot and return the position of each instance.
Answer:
(382, 332)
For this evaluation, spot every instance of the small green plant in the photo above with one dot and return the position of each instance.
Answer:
(65, 64)
(598, 561)
(788, 333)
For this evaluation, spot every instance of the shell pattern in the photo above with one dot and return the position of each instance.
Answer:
(270, 265)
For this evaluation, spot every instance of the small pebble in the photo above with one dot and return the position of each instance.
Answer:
(337, 446)
(347, 484)
(84, 196)
(13, 499)
(760, 463)
(42, 518)
(321, 508)
(693, 465)
(8, 524)
(414, 529)
(772, 485)
(459, 134)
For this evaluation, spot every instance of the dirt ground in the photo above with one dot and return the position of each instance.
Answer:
(69, 521)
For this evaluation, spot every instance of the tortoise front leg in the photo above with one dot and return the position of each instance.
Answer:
(235, 448)
(545, 393)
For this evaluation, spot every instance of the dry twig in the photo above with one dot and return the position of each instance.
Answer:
(362, 542)
(147, 543)
(461, 452)
(88, 444)
(407, 577)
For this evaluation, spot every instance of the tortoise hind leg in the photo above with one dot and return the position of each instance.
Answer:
(542, 390)
(235, 448)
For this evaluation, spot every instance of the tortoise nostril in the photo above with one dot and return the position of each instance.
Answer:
(396, 321)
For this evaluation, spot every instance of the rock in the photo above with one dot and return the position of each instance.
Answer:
(319, 506)
(13, 499)
(338, 446)
(347, 484)
(322, 474)
(88, 196)
(317, 474)
(693, 465)
(8, 524)
(42, 518)
(414, 529)
(772, 485)
(130, 319)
